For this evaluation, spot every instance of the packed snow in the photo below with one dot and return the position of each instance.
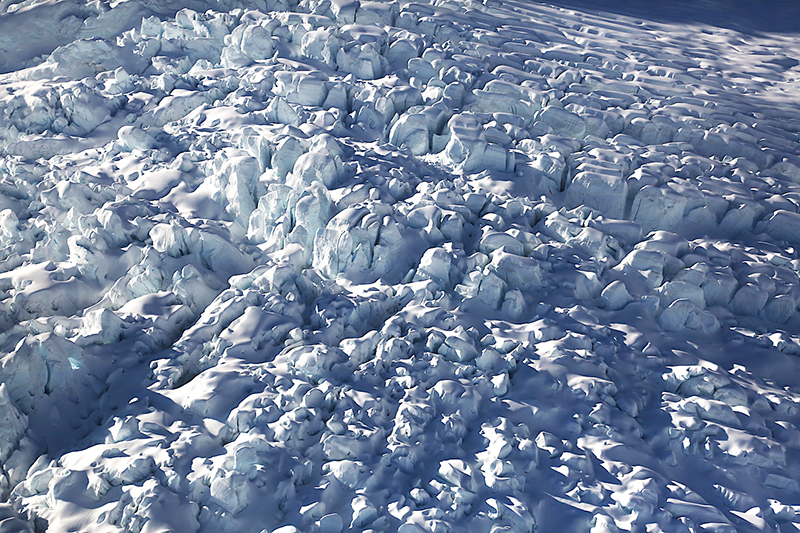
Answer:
(377, 266)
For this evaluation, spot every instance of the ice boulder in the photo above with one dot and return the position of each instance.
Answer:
(344, 447)
(31, 113)
(493, 240)
(435, 265)
(312, 211)
(719, 287)
(514, 304)
(234, 181)
(364, 33)
(587, 285)
(552, 164)
(232, 492)
(615, 296)
(88, 57)
(782, 225)
(780, 308)
(349, 473)
(272, 221)
(102, 324)
(301, 88)
(315, 361)
(519, 272)
(362, 60)
(177, 105)
(345, 10)
(670, 244)
(232, 57)
(563, 122)
(321, 44)
(325, 143)
(411, 131)
(657, 208)
(256, 41)
(217, 253)
(170, 238)
(371, 13)
(403, 98)
(9, 227)
(457, 473)
(485, 285)
(450, 396)
(85, 110)
(281, 112)
(738, 220)
(674, 290)
(469, 150)
(493, 101)
(337, 98)
(658, 129)
(595, 243)
(69, 194)
(285, 155)
(682, 314)
(607, 193)
(402, 49)
(557, 226)
(284, 529)
(749, 300)
(513, 514)
(39, 365)
(135, 138)
(457, 347)
(788, 170)
(256, 140)
(601, 523)
(653, 174)
(330, 523)
(421, 70)
(315, 166)
(356, 241)
(364, 513)
(13, 424)
(123, 429)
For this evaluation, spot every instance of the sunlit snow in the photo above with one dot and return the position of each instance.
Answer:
(378, 266)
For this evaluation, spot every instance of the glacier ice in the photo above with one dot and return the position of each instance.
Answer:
(13, 423)
(331, 265)
(603, 192)
(615, 296)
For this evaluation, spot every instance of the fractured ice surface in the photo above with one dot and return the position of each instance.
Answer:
(337, 266)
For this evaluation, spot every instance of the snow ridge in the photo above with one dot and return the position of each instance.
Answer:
(349, 265)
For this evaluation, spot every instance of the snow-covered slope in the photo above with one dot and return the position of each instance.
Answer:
(384, 266)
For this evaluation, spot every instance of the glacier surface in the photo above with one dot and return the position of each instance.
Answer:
(320, 266)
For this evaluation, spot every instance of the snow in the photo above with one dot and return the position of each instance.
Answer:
(375, 266)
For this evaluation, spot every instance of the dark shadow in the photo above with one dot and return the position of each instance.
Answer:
(746, 16)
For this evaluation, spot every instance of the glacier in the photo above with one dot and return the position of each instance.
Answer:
(319, 266)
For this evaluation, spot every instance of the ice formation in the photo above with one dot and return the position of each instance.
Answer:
(321, 266)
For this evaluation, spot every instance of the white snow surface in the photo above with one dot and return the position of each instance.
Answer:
(376, 266)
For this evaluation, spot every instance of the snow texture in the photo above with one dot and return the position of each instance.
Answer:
(331, 266)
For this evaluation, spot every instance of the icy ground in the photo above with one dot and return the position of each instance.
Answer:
(388, 267)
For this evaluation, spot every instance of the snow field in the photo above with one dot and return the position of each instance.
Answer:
(377, 266)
